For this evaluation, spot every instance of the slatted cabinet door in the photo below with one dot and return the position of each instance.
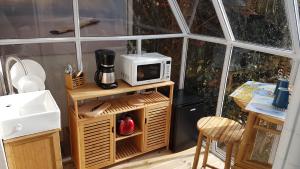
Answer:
(36, 151)
(97, 143)
(156, 127)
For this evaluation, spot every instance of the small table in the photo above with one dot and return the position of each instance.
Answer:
(255, 98)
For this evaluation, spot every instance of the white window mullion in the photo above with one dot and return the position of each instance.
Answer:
(223, 19)
(77, 34)
(293, 74)
(292, 13)
(264, 49)
(285, 146)
(223, 82)
(280, 161)
(183, 62)
(222, 91)
(132, 37)
(35, 40)
(208, 39)
(139, 46)
(179, 16)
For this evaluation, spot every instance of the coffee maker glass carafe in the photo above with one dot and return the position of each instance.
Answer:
(105, 74)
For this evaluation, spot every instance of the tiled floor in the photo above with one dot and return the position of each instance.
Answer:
(163, 159)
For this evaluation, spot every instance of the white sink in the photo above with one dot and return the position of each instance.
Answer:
(28, 113)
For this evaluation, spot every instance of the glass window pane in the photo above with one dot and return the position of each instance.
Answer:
(201, 21)
(247, 65)
(36, 19)
(203, 72)
(126, 17)
(259, 21)
(53, 57)
(169, 47)
(88, 52)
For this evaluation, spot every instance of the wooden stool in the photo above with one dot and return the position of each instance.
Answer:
(219, 129)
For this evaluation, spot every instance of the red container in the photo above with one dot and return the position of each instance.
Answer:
(126, 126)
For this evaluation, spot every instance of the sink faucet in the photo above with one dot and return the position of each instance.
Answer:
(2, 85)
(7, 71)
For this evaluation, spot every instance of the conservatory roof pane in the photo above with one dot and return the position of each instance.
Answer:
(201, 17)
(259, 21)
(127, 17)
(27, 19)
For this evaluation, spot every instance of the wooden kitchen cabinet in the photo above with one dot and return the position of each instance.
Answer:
(37, 151)
(95, 142)
(156, 128)
(97, 148)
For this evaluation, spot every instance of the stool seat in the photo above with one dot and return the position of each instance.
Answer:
(219, 129)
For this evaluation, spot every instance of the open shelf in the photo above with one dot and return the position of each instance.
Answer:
(121, 105)
(91, 90)
(137, 131)
(138, 116)
(128, 148)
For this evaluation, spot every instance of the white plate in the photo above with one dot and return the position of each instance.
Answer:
(33, 68)
(30, 83)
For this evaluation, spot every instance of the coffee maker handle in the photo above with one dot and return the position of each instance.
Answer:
(98, 76)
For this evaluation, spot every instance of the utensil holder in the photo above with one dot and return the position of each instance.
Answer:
(74, 82)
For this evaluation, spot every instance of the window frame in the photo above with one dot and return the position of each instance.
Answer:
(292, 13)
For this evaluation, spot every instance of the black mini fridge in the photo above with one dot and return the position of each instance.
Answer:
(187, 110)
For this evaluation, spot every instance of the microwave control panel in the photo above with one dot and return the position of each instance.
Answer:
(167, 71)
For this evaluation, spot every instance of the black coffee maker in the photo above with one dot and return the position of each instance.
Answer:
(105, 74)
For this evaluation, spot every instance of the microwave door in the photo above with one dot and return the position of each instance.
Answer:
(147, 72)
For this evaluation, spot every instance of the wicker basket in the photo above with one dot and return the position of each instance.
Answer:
(73, 83)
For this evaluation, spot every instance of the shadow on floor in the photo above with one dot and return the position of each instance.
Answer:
(162, 159)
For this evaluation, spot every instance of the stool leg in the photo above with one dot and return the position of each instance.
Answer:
(198, 149)
(206, 152)
(229, 148)
(236, 147)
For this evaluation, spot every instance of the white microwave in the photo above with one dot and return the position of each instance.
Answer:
(146, 68)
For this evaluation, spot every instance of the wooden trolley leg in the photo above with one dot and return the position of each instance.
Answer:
(229, 148)
(206, 152)
(198, 150)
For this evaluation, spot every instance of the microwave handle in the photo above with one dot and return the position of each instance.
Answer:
(164, 69)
